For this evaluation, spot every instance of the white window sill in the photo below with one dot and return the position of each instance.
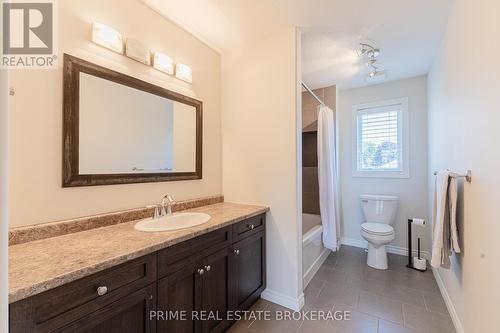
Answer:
(381, 174)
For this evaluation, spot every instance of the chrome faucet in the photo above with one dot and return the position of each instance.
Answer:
(167, 203)
(164, 208)
(159, 211)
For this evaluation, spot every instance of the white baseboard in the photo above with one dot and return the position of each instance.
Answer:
(390, 248)
(291, 303)
(315, 267)
(449, 304)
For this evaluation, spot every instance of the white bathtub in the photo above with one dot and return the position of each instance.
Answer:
(313, 251)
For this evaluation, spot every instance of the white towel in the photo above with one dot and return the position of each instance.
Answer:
(452, 204)
(438, 218)
(444, 220)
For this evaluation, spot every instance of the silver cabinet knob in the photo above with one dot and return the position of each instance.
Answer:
(237, 252)
(201, 271)
(251, 226)
(102, 290)
(208, 268)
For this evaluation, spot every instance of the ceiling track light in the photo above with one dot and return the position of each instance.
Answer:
(374, 68)
(371, 53)
(371, 62)
(368, 50)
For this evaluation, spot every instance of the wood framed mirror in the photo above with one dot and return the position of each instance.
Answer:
(118, 129)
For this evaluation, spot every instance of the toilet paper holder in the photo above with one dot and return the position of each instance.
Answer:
(410, 250)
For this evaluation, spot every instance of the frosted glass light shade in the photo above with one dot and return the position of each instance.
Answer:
(134, 49)
(107, 37)
(163, 62)
(184, 72)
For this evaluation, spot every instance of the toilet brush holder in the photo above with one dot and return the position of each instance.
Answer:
(420, 266)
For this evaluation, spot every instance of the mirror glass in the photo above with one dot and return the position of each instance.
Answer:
(123, 130)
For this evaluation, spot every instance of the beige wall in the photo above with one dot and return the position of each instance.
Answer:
(412, 191)
(36, 195)
(464, 103)
(4, 129)
(261, 124)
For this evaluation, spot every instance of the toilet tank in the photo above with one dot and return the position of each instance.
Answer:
(379, 208)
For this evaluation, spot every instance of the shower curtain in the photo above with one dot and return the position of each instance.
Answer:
(327, 176)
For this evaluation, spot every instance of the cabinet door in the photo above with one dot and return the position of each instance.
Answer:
(249, 270)
(179, 294)
(131, 314)
(216, 295)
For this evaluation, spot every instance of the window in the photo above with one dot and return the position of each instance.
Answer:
(381, 139)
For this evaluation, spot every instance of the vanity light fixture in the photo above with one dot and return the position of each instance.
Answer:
(184, 72)
(163, 62)
(134, 49)
(108, 37)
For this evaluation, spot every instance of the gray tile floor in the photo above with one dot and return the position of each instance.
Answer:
(397, 300)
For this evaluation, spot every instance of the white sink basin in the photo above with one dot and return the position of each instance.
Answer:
(172, 222)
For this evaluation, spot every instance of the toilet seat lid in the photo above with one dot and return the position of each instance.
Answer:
(377, 228)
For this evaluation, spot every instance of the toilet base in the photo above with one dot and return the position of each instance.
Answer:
(377, 256)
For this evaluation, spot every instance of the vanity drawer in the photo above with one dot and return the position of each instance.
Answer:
(176, 257)
(249, 227)
(54, 308)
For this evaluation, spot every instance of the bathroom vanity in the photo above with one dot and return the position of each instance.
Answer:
(201, 272)
(105, 273)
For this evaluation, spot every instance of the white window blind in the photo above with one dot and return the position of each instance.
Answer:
(379, 139)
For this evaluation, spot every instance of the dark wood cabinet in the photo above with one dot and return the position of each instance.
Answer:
(127, 315)
(249, 270)
(179, 296)
(59, 307)
(216, 291)
(248, 227)
(192, 285)
(200, 292)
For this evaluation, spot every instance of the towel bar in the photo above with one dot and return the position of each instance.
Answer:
(467, 176)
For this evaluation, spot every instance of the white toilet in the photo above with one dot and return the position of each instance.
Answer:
(379, 212)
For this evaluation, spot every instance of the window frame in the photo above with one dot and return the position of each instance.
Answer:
(403, 139)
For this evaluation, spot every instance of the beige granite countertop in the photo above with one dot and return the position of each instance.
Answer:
(37, 266)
